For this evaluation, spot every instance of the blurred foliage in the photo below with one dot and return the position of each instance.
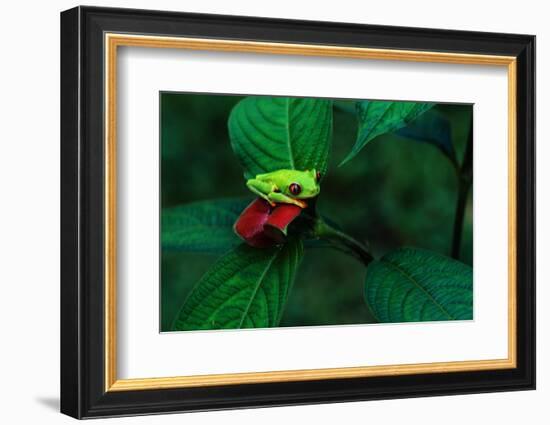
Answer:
(396, 192)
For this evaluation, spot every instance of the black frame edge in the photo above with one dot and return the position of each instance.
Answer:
(526, 209)
(82, 345)
(70, 382)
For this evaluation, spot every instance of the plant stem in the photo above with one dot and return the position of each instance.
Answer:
(343, 240)
(464, 175)
(463, 189)
(345, 106)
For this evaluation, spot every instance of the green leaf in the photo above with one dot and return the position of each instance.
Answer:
(204, 226)
(413, 285)
(273, 133)
(380, 117)
(432, 128)
(246, 288)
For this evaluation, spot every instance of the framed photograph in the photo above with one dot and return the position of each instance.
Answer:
(261, 212)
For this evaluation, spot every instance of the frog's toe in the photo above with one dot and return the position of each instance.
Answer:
(301, 204)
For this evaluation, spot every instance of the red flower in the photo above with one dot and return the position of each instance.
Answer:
(260, 225)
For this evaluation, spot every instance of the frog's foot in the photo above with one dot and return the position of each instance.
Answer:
(281, 198)
(300, 203)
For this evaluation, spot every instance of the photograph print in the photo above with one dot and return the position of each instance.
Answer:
(294, 211)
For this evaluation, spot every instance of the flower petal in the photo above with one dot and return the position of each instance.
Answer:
(279, 219)
(250, 224)
(262, 226)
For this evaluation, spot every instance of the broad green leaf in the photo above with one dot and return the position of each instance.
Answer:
(273, 133)
(378, 117)
(204, 226)
(246, 288)
(414, 285)
(433, 128)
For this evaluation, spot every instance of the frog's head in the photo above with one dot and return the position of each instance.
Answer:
(304, 184)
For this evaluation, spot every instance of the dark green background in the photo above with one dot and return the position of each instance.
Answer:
(396, 192)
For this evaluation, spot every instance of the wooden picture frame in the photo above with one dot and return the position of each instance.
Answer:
(90, 38)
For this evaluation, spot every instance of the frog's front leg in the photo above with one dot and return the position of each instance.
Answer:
(261, 189)
(281, 198)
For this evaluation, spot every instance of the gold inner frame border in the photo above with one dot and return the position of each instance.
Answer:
(111, 43)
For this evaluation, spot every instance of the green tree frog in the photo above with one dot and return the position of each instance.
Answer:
(286, 186)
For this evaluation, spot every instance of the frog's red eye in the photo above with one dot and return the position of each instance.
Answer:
(295, 188)
(318, 176)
